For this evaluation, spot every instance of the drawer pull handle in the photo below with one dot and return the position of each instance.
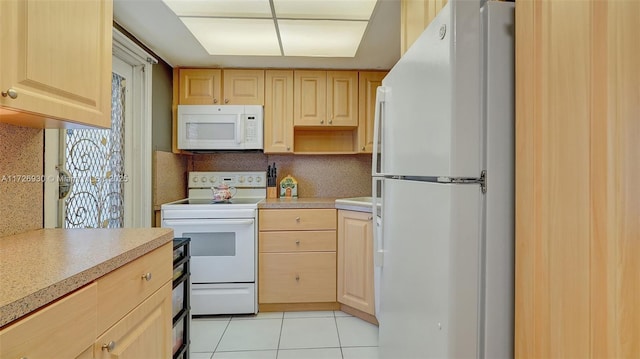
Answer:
(297, 277)
(297, 219)
(298, 242)
(370, 218)
(109, 347)
(146, 276)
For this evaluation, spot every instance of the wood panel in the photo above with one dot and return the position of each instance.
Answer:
(310, 98)
(297, 219)
(200, 87)
(278, 111)
(65, 328)
(297, 277)
(367, 88)
(577, 138)
(243, 87)
(342, 98)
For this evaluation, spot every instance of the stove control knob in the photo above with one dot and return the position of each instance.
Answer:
(258, 179)
(250, 179)
(241, 179)
(212, 179)
(195, 179)
(204, 179)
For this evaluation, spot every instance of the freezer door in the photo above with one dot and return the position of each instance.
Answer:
(431, 234)
(431, 117)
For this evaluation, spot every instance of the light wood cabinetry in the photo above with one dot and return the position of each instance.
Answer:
(578, 139)
(145, 332)
(415, 16)
(66, 328)
(278, 111)
(297, 256)
(355, 260)
(124, 314)
(221, 87)
(325, 98)
(367, 88)
(55, 63)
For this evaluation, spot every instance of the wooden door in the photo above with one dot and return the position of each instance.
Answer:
(278, 112)
(56, 60)
(368, 85)
(310, 102)
(577, 198)
(143, 333)
(355, 260)
(200, 87)
(243, 87)
(342, 98)
(415, 16)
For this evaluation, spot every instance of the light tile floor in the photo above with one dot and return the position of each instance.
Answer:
(290, 335)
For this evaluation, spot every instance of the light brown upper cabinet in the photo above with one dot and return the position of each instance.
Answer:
(415, 16)
(369, 82)
(325, 98)
(205, 87)
(55, 63)
(278, 111)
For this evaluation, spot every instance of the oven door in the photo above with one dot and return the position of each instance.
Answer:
(222, 250)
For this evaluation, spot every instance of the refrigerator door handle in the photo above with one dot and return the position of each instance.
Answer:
(482, 180)
(378, 144)
(378, 242)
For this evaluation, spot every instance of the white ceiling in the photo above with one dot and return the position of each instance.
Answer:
(156, 26)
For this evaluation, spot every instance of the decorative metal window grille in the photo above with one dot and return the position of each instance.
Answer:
(95, 161)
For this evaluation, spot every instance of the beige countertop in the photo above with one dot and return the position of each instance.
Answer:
(284, 203)
(41, 266)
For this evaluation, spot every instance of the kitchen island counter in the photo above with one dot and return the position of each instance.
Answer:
(41, 266)
(293, 203)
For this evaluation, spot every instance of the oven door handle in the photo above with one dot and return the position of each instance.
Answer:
(199, 222)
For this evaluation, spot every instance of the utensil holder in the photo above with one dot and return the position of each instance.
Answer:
(272, 192)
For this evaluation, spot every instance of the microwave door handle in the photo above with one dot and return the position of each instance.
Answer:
(240, 130)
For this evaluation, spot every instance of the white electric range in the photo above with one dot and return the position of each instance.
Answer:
(223, 240)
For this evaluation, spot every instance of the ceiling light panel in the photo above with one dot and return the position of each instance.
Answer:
(321, 38)
(324, 9)
(250, 37)
(221, 8)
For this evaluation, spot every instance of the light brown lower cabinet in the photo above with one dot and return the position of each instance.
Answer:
(129, 309)
(297, 257)
(355, 260)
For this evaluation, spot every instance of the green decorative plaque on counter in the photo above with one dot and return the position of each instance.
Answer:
(288, 187)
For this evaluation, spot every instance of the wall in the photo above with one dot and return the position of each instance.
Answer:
(162, 82)
(21, 153)
(318, 176)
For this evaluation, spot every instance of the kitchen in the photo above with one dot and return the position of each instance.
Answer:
(560, 225)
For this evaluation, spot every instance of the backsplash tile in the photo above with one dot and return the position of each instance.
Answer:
(21, 153)
(317, 175)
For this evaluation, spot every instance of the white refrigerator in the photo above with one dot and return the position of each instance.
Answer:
(443, 167)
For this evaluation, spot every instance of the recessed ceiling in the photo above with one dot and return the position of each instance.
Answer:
(342, 24)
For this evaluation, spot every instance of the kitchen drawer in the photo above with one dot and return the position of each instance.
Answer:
(297, 277)
(297, 219)
(297, 241)
(63, 329)
(126, 287)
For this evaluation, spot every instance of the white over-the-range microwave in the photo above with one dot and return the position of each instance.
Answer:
(224, 127)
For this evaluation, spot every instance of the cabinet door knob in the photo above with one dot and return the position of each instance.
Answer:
(288, 148)
(298, 242)
(11, 93)
(330, 121)
(146, 276)
(226, 100)
(297, 277)
(215, 100)
(363, 148)
(321, 122)
(297, 219)
(109, 347)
